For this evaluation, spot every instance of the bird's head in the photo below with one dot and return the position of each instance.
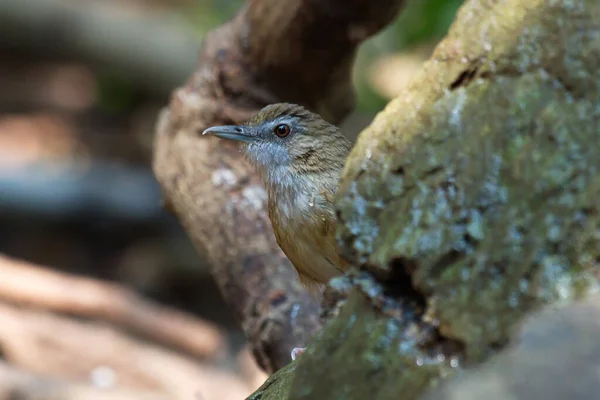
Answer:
(287, 137)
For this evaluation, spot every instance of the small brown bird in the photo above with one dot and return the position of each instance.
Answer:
(300, 158)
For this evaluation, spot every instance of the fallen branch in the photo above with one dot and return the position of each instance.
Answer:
(18, 384)
(102, 356)
(297, 51)
(27, 284)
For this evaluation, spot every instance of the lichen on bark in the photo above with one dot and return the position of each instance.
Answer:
(473, 194)
(481, 181)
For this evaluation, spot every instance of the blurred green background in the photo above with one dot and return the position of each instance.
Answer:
(418, 28)
(81, 83)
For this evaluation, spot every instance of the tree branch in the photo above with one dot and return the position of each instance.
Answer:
(297, 51)
(17, 384)
(27, 284)
(94, 354)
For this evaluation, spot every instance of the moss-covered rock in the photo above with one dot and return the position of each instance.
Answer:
(482, 181)
(277, 386)
(367, 353)
(555, 356)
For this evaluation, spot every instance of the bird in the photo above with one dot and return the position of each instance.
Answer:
(300, 158)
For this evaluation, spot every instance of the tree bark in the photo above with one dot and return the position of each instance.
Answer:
(295, 51)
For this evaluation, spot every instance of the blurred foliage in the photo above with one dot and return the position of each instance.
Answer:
(115, 92)
(205, 15)
(422, 22)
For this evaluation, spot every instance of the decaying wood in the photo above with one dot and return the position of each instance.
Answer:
(296, 51)
(101, 356)
(30, 285)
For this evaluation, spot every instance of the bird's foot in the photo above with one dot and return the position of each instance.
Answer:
(297, 351)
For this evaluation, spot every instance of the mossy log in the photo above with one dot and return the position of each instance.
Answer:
(469, 202)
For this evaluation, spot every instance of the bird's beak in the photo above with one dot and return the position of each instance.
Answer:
(231, 132)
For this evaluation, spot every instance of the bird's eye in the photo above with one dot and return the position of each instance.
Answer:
(282, 130)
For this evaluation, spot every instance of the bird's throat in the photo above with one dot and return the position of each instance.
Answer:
(295, 197)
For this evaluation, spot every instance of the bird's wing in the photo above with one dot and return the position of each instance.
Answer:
(310, 246)
(326, 242)
(309, 242)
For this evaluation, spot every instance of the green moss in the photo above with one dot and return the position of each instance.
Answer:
(276, 386)
(366, 354)
(498, 170)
